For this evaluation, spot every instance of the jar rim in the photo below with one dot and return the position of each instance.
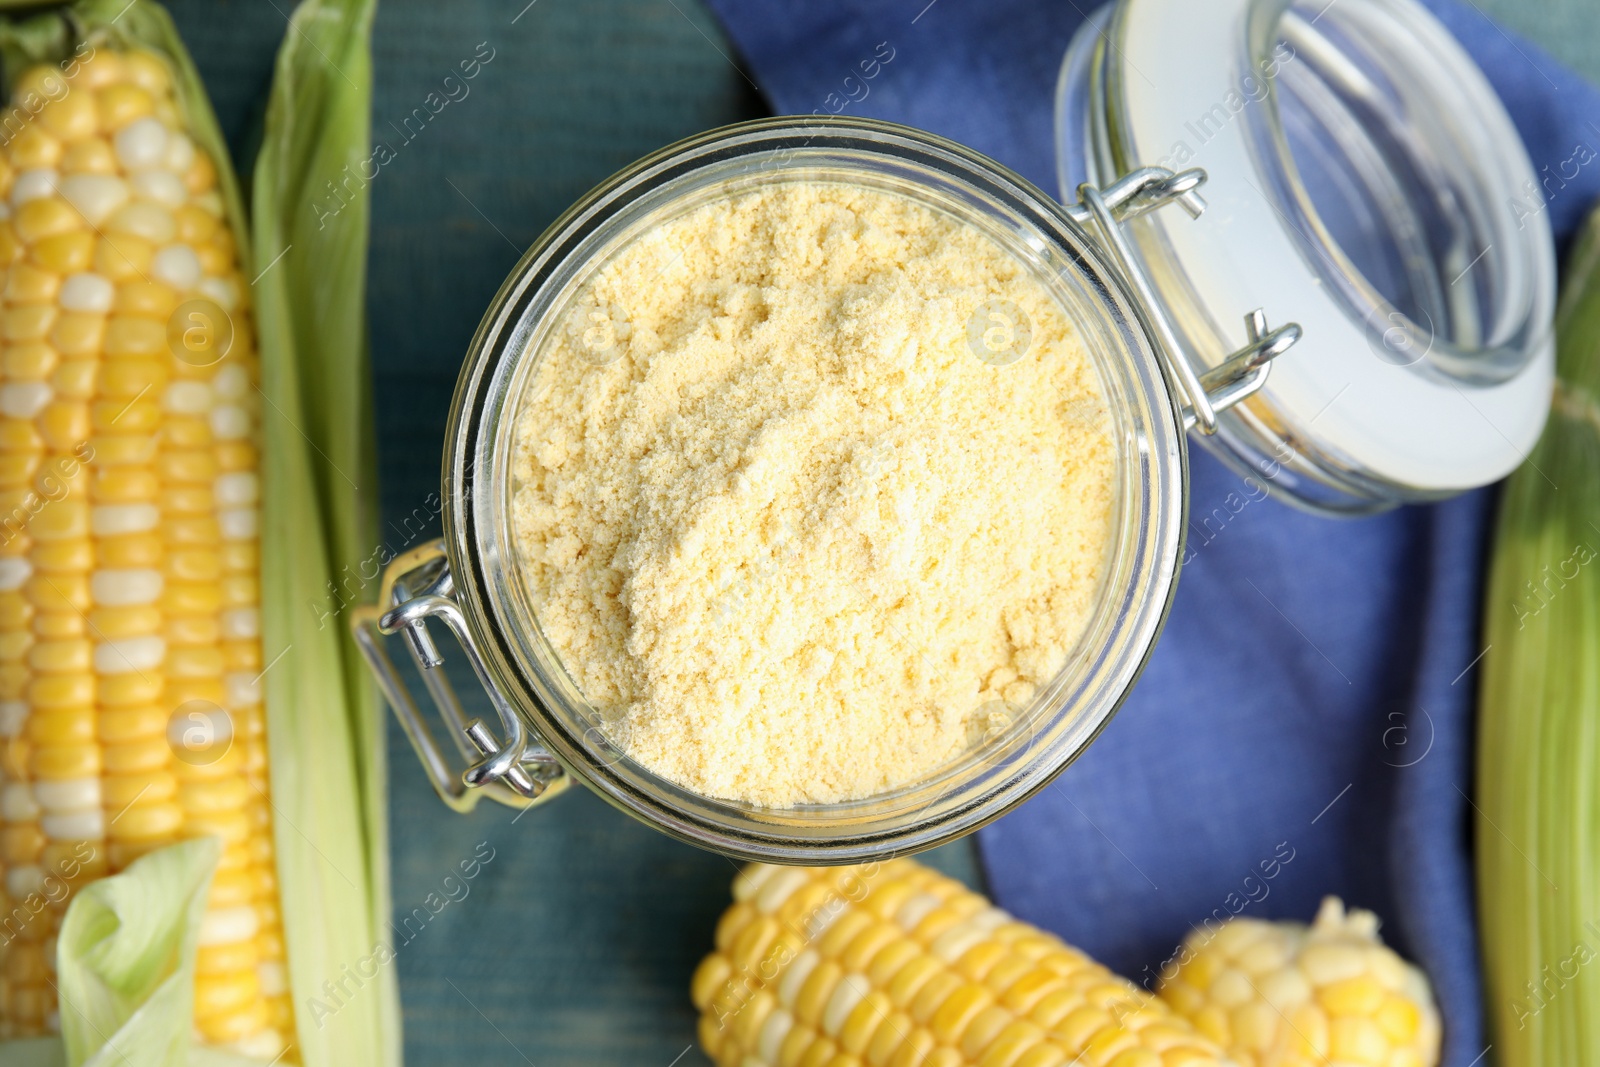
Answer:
(1138, 586)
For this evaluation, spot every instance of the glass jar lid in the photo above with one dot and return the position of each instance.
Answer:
(1359, 171)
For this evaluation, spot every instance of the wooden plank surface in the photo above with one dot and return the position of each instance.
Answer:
(574, 944)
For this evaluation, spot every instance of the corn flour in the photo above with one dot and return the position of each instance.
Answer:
(779, 518)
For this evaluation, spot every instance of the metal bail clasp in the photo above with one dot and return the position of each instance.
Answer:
(518, 773)
(1245, 370)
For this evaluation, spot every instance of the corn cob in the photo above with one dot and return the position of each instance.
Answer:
(895, 965)
(130, 712)
(1285, 995)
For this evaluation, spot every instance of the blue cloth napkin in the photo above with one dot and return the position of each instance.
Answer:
(1305, 726)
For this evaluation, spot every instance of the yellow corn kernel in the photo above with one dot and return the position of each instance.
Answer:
(202, 174)
(116, 624)
(78, 334)
(123, 690)
(194, 661)
(1399, 1019)
(241, 556)
(118, 791)
(21, 843)
(93, 156)
(186, 431)
(62, 726)
(27, 284)
(146, 820)
(195, 225)
(59, 593)
(145, 299)
(236, 456)
(231, 826)
(190, 465)
(123, 257)
(141, 415)
(15, 755)
(64, 424)
(42, 81)
(118, 449)
(76, 379)
(45, 217)
(50, 625)
(60, 520)
(228, 1027)
(147, 71)
(17, 468)
(191, 598)
(75, 555)
(61, 657)
(14, 645)
(1359, 995)
(191, 630)
(125, 485)
(19, 435)
(121, 103)
(215, 256)
(132, 722)
(27, 322)
(131, 551)
(25, 965)
(64, 762)
(134, 335)
(15, 611)
(33, 149)
(182, 690)
(228, 957)
(136, 756)
(70, 118)
(958, 1009)
(219, 794)
(64, 253)
(187, 499)
(133, 376)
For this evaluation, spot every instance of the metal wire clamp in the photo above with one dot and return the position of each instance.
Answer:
(517, 771)
(1243, 372)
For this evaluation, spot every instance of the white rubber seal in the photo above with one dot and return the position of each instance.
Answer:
(1410, 428)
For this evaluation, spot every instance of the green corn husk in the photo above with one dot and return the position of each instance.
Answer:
(1538, 819)
(127, 948)
(325, 731)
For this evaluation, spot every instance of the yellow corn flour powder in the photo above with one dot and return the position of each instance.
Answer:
(779, 518)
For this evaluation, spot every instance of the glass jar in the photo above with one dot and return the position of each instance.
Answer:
(1361, 174)
(1152, 326)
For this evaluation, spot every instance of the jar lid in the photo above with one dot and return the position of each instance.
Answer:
(1360, 169)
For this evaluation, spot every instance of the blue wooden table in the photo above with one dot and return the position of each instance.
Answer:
(575, 943)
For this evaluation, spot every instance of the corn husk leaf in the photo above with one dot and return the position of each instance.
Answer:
(126, 957)
(1538, 806)
(325, 733)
